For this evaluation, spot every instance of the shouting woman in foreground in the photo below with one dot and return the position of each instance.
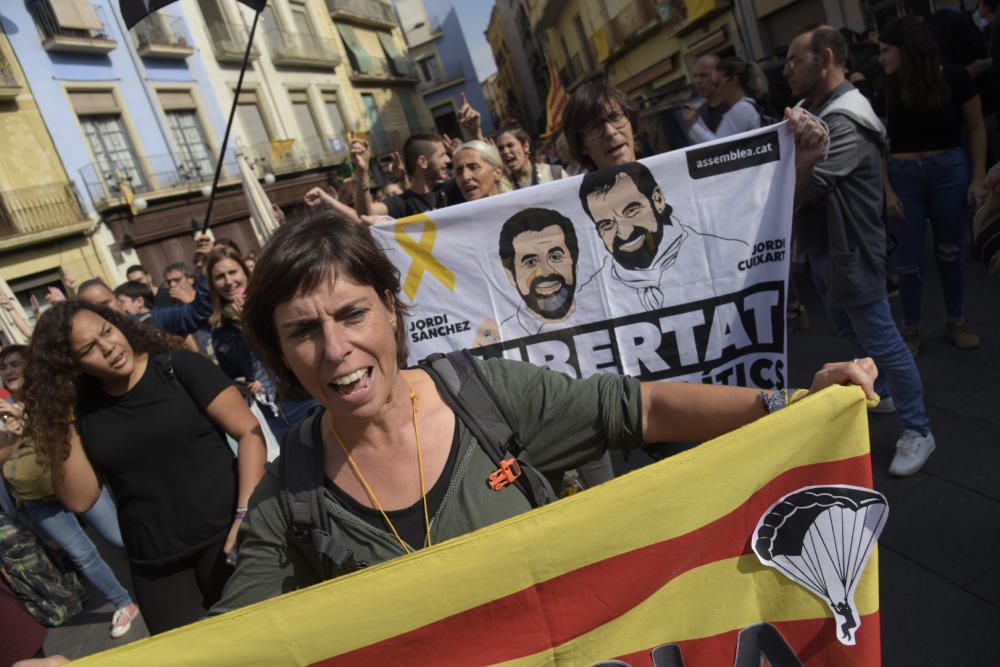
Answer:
(400, 471)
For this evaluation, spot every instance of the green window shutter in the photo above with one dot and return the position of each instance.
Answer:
(392, 53)
(353, 44)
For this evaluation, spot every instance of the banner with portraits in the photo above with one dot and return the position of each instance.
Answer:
(671, 268)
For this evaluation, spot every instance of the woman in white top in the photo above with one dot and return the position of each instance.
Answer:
(514, 146)
(740, 84)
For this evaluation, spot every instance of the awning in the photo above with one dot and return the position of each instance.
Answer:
(76, 15)
(261, 216)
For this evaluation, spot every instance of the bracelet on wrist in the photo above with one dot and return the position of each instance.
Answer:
(772, 401)
(241, 513)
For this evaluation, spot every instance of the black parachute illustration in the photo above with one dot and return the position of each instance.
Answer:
(821, 537)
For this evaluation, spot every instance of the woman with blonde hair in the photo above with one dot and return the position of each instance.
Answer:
(479, 170)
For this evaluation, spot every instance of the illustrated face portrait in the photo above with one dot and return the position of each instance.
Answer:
(630, 224)
(544, 272)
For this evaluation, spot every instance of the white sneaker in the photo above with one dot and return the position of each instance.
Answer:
(886, 406)
(121, 622)
(912, 452)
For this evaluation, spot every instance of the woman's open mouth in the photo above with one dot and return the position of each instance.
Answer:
(353, 382)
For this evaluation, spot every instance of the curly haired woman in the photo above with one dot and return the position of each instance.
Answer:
(113, 401)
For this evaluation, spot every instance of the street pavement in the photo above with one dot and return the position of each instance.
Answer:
(940, 552)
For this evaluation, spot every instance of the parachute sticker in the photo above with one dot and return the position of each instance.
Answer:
(821, 537)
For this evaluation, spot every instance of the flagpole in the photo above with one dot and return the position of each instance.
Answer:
(229, 125)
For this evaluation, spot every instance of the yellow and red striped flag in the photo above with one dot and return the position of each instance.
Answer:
(556, 101)
(654, 568)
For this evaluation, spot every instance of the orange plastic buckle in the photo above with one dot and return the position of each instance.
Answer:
(508, 471)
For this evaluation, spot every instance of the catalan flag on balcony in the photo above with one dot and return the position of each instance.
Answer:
(676, 563)
(134, 11)
(124, 185)
(556, 102)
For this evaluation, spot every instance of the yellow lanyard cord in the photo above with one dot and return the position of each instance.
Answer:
(420, 463)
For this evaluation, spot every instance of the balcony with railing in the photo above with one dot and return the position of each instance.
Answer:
(229, 41)
(363, 12)
(299, 49)
(151, 174)
(282, 156)
(79, 27)
(39, 208)
(382, 69)
(10, 87)
(163, 36)
(439, 77)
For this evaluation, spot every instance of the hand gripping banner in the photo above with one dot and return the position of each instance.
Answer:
(757, 545)
(669, 268)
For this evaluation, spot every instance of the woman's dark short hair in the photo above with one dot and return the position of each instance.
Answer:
(11, 350)
(299, 258)
(517, 132)
(588, 103)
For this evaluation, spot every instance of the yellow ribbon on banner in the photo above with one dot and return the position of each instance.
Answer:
(422, 255)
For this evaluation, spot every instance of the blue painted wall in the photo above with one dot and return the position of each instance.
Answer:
(48, 74)
(455, 56)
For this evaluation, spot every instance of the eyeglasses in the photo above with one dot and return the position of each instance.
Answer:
(596, 129)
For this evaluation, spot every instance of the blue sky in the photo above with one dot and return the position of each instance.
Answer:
(474, 15)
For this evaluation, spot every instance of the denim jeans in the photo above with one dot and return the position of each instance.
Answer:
(62, 527)
(872, 332)
(933, 188)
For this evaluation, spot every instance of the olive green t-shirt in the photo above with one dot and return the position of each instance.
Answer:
(561, 423)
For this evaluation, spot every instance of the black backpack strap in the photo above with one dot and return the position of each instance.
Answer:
(165, 365)
(467, 393)
(302, 475)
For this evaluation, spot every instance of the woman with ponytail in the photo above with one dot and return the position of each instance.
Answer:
(741, 85)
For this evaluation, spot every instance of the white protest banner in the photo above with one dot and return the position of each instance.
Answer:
(674, 268)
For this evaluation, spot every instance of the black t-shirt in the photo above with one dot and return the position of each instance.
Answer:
(412, 203)
(712, 116)
(913, 130)
(168, 465)
(409, 522)
(960, 42)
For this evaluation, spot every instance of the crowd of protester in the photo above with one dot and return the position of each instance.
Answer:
(144, 410)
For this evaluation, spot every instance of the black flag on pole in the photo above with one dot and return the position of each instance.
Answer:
(134, 11)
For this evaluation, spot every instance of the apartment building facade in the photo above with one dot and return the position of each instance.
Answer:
(520, 61)
(45, 231)
(439, 50)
